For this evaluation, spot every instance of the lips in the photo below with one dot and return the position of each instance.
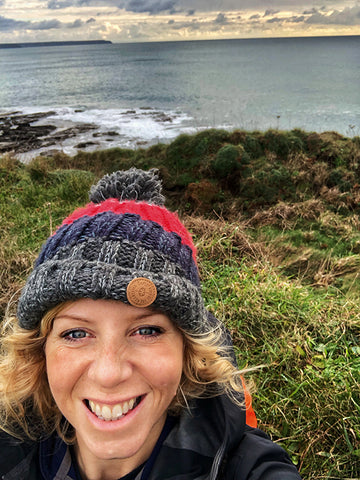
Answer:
(110, 413)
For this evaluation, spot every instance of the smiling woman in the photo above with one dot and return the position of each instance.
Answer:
(121, 368)
(113, 368)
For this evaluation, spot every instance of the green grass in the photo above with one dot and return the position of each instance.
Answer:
(279, 256)
(307, 393)
(306, 340)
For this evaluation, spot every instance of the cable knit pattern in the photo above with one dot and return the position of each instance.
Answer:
(109, 226)
(100, 248)
(167, 220)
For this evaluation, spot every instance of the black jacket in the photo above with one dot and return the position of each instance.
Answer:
(211, 443)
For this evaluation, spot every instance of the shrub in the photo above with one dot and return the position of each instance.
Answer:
(282, 143)
(227, 160)
(180, 154)
(187, 151)
(339, 177)
(202, 195)
(253, 146)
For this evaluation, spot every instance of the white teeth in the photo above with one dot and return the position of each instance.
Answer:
(108, 413)
(117, 411)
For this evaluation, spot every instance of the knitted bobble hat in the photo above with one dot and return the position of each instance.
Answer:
(124, 245)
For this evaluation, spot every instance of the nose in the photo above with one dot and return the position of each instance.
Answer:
(110, 366)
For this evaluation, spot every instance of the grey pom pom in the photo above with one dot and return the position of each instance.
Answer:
(133, 184)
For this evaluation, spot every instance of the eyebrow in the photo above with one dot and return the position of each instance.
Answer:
(72, 317)
(76, 317)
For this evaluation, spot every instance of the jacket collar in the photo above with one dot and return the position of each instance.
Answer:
(55, 460)
(202, 438)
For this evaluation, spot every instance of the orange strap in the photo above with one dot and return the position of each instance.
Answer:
(251, 419)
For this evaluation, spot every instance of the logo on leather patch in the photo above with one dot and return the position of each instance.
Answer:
(141, 292)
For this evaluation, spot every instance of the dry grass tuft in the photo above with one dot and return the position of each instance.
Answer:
(222, 239)
(285, 214)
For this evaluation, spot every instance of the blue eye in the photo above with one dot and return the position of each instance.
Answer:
(148, 331)
(74, 335)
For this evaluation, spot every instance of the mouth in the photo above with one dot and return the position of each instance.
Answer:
(111, 413)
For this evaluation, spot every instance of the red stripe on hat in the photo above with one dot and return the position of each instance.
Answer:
(168, 220)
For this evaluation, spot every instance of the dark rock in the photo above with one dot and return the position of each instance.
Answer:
(19, 134)
(86, 144)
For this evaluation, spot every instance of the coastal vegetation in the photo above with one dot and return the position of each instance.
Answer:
(276, 218)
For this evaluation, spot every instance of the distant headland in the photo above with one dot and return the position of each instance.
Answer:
(53, 44)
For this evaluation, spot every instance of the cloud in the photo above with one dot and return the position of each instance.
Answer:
(296, 19)
(149, 6)
(309, 12)
(348, 16)
(44, 25)
(221, 19)
(60, 4)
(270, 11)
(275, 20)
(76, 24)
(131, 32)
(11, 25)
(56, 5)
(193, 25)
(252, 5)
(124, 20)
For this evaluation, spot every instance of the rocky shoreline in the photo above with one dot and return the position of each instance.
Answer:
(26, 135)
(19, 132)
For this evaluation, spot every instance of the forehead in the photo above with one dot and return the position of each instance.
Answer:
(96, 310)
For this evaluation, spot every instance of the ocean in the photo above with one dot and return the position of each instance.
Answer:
(133, 95)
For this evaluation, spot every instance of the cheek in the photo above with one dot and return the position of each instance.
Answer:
(61, 371)
(166, 371)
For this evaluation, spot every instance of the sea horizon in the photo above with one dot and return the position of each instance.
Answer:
(148, 92)
(183, 40)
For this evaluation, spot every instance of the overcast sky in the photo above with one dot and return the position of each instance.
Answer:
(158, 20)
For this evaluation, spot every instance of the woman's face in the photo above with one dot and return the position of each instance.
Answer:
(113, 370)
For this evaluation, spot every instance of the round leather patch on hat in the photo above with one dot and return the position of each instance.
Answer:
(141, 292)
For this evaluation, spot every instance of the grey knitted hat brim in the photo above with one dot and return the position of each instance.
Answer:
(71, 279)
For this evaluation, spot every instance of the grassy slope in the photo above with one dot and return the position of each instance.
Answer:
(276, 219)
